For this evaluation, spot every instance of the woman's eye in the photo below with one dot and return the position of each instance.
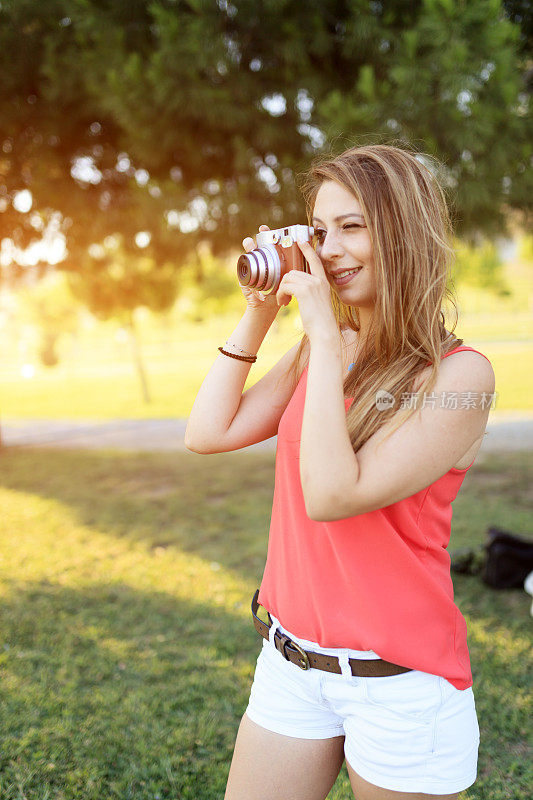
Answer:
(320, 234)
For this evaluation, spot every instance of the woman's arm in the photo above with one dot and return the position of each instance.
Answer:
(338, 484)
(219, 396)
(327, 459)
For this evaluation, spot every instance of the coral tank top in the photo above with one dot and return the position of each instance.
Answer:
(378, 581)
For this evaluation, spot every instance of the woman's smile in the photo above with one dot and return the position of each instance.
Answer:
(345, 276)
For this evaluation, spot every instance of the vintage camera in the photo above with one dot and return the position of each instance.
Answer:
(277, 252)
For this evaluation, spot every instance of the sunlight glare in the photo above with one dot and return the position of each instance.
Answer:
(27, 371)
(23, 201)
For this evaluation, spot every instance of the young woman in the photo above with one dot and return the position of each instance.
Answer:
(379, 412)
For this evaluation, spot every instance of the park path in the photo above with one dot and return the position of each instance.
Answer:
(505, 431)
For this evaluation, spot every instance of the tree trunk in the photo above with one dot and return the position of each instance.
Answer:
(137, 358)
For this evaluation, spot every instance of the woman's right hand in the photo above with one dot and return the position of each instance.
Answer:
(255, 299)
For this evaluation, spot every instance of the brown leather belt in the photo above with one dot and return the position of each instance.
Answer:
(363, 668)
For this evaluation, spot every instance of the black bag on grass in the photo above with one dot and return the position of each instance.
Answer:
(509, 559)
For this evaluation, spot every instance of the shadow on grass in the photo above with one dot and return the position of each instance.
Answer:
(213, 506)
(114, 692)
(219, 506)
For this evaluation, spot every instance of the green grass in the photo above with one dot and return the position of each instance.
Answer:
(97, 380)
(128, 650)
(96, 377)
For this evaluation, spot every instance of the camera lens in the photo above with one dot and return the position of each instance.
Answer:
(244, 273)
(260, 269)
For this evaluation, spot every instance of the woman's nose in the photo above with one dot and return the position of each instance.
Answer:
(331, 246)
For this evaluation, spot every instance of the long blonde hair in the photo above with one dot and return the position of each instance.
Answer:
(409, 225)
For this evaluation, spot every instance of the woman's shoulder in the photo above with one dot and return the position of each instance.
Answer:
(464, 362)
(467, 353)
(470, 366)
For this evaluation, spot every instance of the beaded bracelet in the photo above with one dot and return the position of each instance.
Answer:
(246, 353)
(250, 359)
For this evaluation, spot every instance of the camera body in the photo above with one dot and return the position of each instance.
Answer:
(277, 252)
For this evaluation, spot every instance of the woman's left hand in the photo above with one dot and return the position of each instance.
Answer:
(313, 294)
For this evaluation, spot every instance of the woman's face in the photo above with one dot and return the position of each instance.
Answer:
(343, 243)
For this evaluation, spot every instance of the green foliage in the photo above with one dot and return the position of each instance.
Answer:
(191, 121)
(213, 294)
(479, 266)
(525, 248)
(50, 307)
(450, 83)
(49, 304)
(114, 281)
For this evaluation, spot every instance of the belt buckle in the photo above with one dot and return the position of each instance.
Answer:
(303, 661)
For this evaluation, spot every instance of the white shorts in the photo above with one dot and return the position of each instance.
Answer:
(413, 732)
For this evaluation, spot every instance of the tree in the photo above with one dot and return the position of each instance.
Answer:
(155, 125)
(50, 307)
(113, 282)
(190, 119)
(160, 124)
